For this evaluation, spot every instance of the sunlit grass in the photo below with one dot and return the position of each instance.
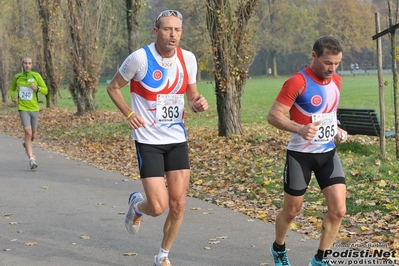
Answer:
(259, 95)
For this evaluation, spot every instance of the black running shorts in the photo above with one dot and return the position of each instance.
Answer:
(155, 160)
(299, 166)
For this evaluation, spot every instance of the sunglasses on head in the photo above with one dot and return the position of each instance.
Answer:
(168, 13)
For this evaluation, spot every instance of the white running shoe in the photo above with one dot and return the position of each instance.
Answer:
(161, 262)
(133, 218)
(32, 163)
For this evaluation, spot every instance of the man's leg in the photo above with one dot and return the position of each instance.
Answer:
(291, 208)
(178, 181)
(29, 122)
(336, 203)
(157, 200)
(29, 136)
(331, 179)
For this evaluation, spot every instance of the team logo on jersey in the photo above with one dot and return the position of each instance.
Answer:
(165, 64)
(31, 80)
(316, 100)
(157, 75)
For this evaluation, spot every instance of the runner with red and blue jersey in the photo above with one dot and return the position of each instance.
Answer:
(310, 98)
(312, 101)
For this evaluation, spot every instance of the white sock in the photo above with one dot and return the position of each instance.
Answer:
(163, 253)
(137, 210)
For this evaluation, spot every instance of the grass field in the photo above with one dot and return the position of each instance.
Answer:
(259, 94)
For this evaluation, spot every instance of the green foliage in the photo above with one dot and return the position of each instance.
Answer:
(336, 15)
(195, 36)
(228, 25)
(277, 36)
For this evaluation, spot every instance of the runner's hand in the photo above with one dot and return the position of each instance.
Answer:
(136, 122)
(200, 104)
(310, 130)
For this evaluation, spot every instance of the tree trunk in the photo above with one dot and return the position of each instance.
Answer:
(228, 108)
(227, 22)
(5, 93)
(132, 17)
(47, 9)
(77, 96)
(4, 80)
(90, 101)
(380, 87)
(5, 64)
(395, 80)
(274, 58)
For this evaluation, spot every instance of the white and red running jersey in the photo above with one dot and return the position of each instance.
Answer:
(157, 87)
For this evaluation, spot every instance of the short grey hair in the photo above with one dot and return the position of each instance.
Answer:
(26, 58)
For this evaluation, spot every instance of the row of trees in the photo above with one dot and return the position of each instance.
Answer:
(77, 41)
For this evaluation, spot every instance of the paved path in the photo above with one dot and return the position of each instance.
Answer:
(64, 200)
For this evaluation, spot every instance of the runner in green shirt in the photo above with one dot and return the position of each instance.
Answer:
(24, 90)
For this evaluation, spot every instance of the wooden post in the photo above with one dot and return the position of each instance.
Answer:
(380, 86)
(391, 30)
(395, 76)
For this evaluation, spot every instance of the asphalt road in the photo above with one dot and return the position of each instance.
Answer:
(66, 212)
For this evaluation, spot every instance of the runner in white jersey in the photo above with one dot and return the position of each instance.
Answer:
(157, 88)
(311, 98)
(161, 75)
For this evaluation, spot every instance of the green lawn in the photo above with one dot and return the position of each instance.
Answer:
(259, 94)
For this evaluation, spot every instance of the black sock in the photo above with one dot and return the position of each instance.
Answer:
(320, 254)
(278, 247)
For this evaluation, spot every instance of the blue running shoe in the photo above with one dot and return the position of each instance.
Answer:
(280, 257)
(315, 262)
(133, 217)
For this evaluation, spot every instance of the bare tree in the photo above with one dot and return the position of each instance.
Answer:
(4, 62)
(4, 80)
(19, 36)
(49, 11)
(227, 22)
(91, 25)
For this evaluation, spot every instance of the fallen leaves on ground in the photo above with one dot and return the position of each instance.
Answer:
(242, 173)
(130, 254)
(30, 244)
(85, 237)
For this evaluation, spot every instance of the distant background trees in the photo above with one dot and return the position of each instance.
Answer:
(88, 39)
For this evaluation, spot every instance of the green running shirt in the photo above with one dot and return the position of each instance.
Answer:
(27, 97)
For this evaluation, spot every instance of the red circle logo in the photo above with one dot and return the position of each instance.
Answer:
(316, 100)
(157, 74)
